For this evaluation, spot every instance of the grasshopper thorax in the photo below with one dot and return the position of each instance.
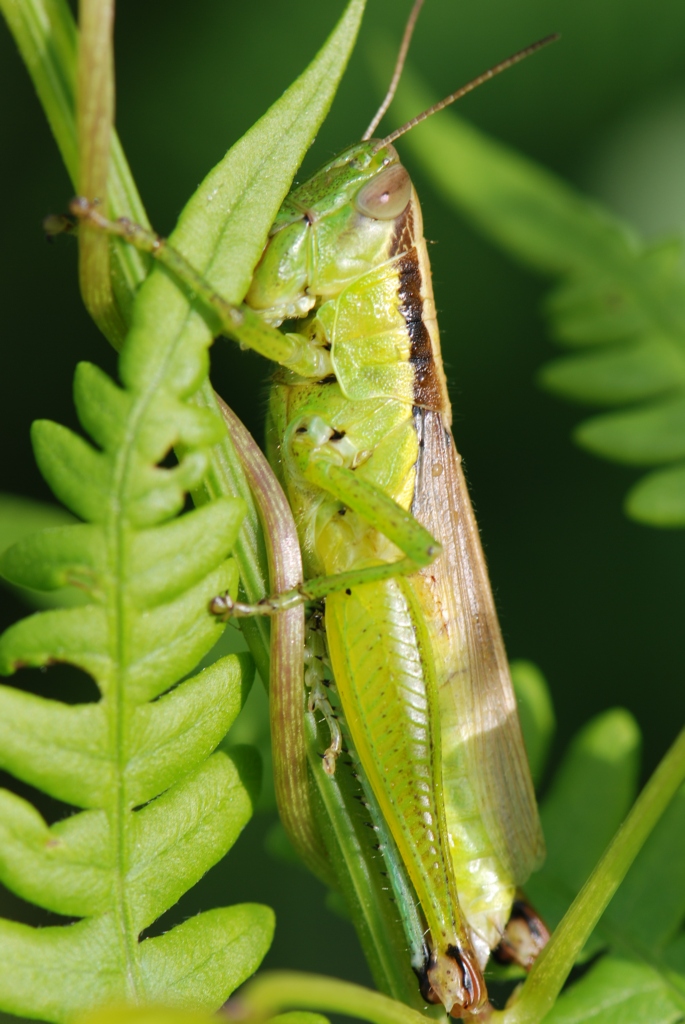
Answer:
(331, 229)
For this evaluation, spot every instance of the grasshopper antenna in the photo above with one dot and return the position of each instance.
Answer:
(399, 65)
(469, 87)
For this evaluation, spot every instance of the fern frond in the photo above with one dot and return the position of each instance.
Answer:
(157, 806)
(620, 303)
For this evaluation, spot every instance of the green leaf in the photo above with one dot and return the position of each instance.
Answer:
(619, 300)
(653, 434)
(21, 516)
(674, 957)
(587, 800)
(536, 713)
(659, 498)
(200, 961)
(614, 992)
(648, 911)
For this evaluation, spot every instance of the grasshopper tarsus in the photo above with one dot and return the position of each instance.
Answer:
(57, 224)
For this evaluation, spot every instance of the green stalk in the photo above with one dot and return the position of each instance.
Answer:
(551, 969)
(276, 991)
(94, 120)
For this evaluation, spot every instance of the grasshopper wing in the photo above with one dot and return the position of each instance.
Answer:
(485, 767)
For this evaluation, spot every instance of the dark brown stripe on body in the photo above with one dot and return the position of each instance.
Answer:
(427, 389)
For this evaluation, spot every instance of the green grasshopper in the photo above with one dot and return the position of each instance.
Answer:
(404, 621)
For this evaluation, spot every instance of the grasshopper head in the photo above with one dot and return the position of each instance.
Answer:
(330, 230)
(339, 182)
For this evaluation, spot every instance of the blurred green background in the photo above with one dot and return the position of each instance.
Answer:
(595, 600)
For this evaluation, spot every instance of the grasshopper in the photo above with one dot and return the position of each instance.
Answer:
(403, 624)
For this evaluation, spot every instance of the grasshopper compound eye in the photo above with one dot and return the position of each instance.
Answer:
(387, 195)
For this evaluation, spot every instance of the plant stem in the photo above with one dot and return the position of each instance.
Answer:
(281, 990)
(94, 119)
(539, 993)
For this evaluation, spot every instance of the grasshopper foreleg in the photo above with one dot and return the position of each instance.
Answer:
(239, 322)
